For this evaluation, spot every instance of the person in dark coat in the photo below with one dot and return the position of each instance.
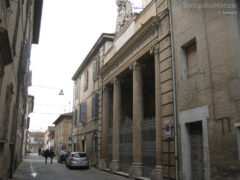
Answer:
(51, 154)
(39, 151)
(46, 155)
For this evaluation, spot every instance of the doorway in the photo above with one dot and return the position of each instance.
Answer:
(196, 149)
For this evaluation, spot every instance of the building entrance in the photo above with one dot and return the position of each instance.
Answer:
(197, 155)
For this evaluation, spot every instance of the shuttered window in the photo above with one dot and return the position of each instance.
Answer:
(14, 42)
(95, 106)
(75, 117)
(83, 112)
(96, 67)
(94, 70)
(85, 80)
(76, 90)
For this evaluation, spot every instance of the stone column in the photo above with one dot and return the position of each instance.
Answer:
(157, 173)
(138, 115)
(116, 123)
(105, 121)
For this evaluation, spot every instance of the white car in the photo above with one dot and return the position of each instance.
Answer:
(77, 159)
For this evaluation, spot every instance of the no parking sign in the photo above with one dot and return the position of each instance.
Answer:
(168, 130)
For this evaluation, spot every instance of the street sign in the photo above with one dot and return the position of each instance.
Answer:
(69, 138)
(168, 130)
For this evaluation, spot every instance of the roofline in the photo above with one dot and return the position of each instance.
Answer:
(103, 37)
(37, 20)
(66, 115)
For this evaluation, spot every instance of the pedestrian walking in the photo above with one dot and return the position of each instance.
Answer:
(46, 155)
(39, 151)
(51, 154)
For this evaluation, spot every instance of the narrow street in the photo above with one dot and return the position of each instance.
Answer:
(34, 167)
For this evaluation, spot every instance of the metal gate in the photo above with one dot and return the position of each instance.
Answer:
(109, 146)
(148, 146)
(126, 145)
(197, 158)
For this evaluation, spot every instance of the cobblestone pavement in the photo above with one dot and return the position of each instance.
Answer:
(34, 167)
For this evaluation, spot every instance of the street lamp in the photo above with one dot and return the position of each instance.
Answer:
(61, 92)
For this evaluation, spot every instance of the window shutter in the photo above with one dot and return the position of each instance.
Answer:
(93, 106)
(74, 117)
(94, 70)
(96, 105)
(14, 42)
(98, 65)
(85, 80)
(83, 112)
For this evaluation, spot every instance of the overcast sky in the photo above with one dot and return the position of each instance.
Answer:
(69, 30)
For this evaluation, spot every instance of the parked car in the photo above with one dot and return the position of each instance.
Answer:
(29, 151)
(63, 156)
(77, 159)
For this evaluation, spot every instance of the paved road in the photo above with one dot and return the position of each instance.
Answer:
(34, 167)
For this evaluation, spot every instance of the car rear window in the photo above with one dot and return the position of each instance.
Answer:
(78, 155)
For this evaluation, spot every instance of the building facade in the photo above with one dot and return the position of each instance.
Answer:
(51, 140)
(19, 28)
(30, 106)
(46, 137)
(36, 141)
(87, 100)
(137, 97)
(169, 83)
(206, 48)
(63, 126)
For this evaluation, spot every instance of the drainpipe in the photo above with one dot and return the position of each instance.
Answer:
(174, 88)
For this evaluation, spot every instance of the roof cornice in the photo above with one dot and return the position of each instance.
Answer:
(104, 37)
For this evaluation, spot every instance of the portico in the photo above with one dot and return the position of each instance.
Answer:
(137, 100)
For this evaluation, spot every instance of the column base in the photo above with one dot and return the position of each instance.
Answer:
(114, 166)
(157, 173)
(135, 170)
(102, 164)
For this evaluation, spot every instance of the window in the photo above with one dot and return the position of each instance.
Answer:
(85, 80)
(191, 58)
(94, 70)
(96, 66)
(83, 112)
(14, 42)
(75, 117)
(95, 106)
(76, 89)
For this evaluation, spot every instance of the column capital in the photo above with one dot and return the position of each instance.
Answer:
(135, 65)
(115, 80)
(105, 88)
(155, 49)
